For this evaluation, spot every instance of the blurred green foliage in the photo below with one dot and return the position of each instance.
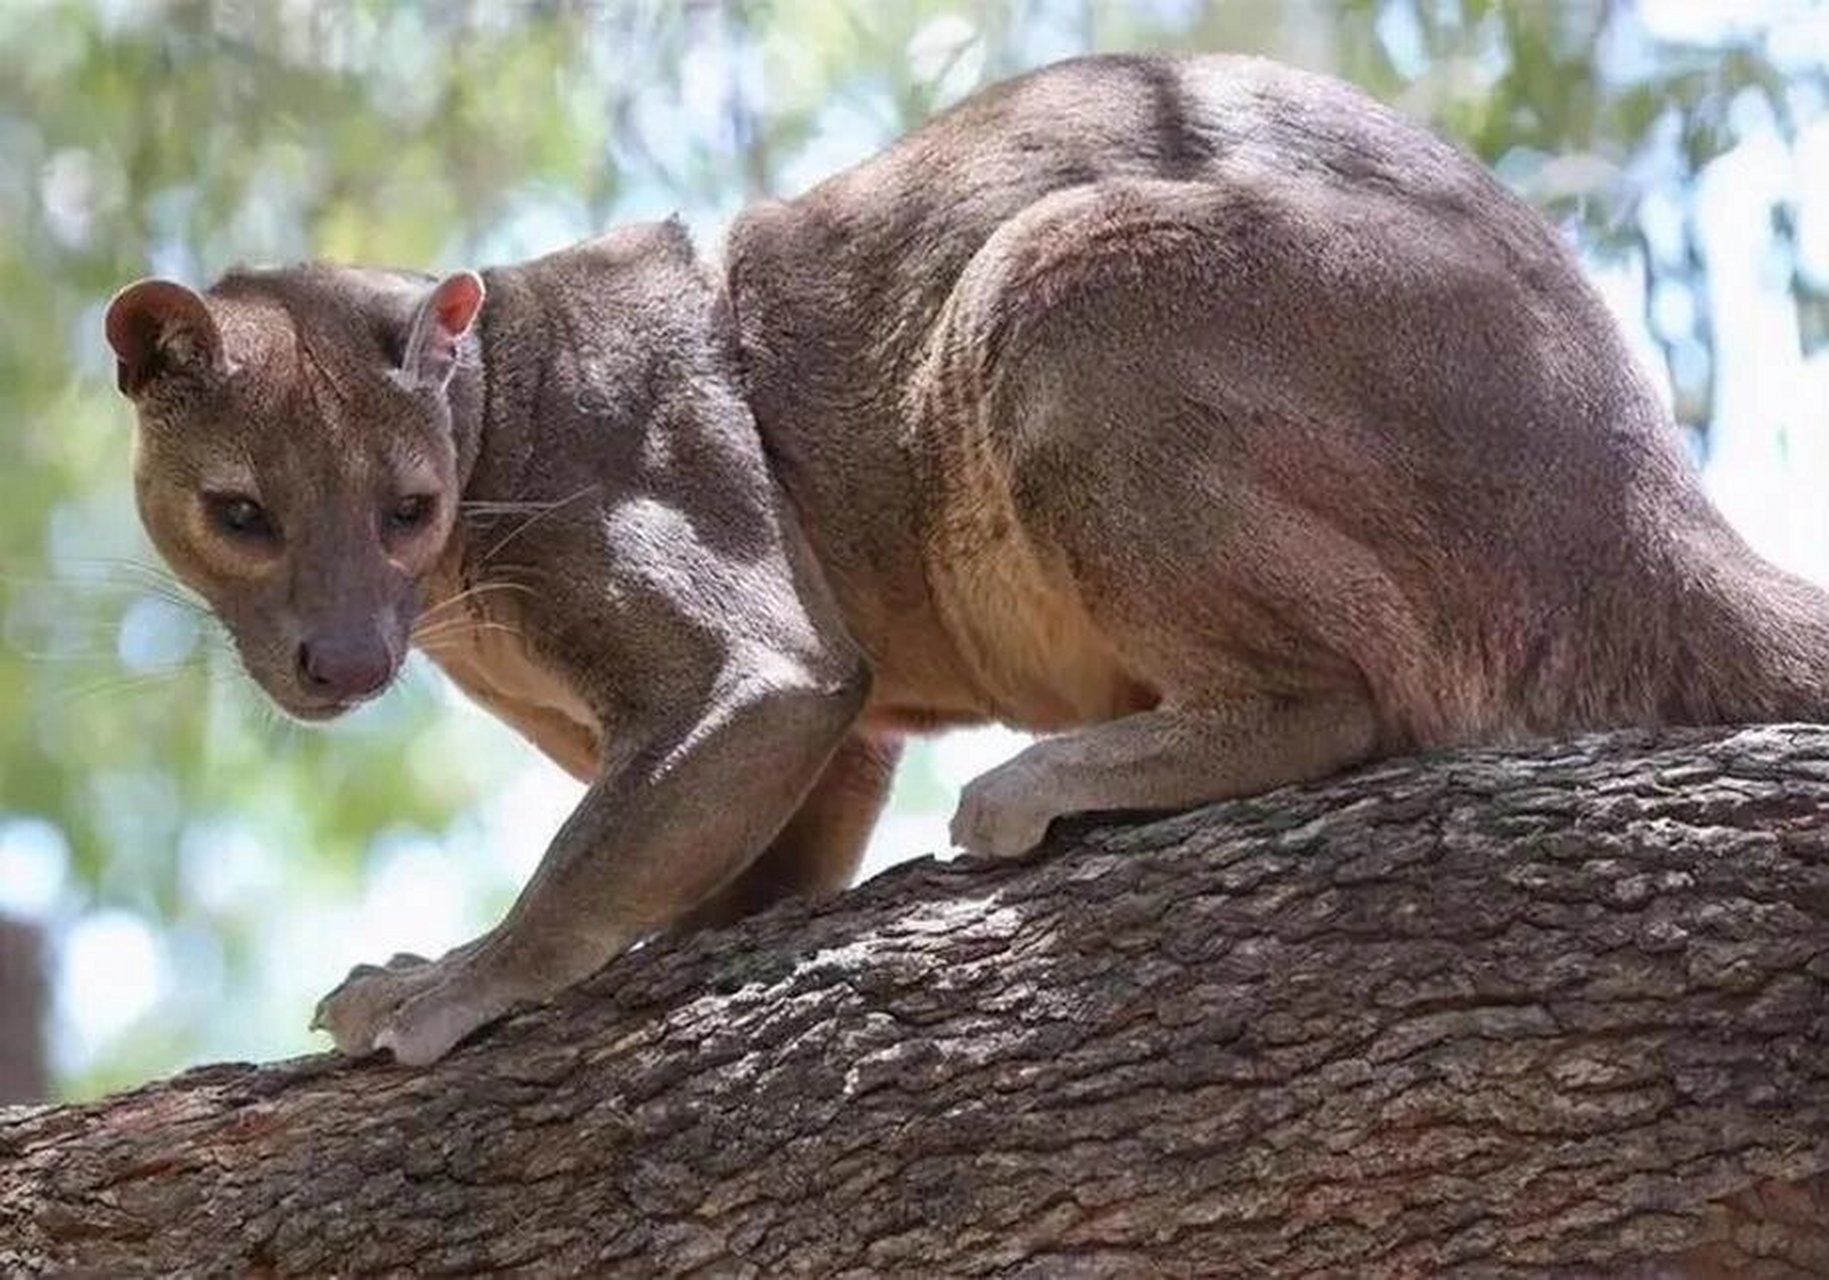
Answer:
(182, 137)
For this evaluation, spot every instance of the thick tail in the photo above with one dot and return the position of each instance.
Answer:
(1752, 646)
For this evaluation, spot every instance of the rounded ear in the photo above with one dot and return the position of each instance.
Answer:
(158, 327)
(444, 317)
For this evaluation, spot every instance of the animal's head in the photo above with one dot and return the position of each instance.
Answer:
(296, 459)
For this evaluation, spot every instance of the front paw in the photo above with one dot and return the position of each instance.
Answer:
(417, 1009)
(356, 1009)
(1002, 814)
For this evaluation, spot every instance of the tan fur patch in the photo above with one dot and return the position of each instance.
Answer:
(492, 662)
(1018, 623)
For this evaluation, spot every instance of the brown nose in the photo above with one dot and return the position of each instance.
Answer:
(344, 665)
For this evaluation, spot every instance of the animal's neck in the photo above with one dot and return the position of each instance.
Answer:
(468, 395)
(495, 390)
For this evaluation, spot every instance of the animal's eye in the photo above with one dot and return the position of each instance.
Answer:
(240, 516)
(411, 512)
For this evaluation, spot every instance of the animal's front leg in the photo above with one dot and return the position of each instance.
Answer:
(1169, 758)
(819, 849)
(686, 814)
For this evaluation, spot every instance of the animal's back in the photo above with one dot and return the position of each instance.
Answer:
(1348, 327)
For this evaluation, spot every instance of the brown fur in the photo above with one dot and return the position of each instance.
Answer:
(1203, 411)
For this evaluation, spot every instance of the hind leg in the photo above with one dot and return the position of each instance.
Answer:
(1169, 758)
(819, 849)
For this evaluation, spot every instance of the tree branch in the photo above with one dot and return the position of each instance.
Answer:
(1560, 1007)
(23, 1077)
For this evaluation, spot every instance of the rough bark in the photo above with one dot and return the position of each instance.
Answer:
(22, 1012)
(1493, 1012)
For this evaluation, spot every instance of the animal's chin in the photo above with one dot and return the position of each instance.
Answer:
(324, 712)
(317, 713)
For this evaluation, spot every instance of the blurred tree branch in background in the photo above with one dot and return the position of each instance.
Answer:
(24, 986)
